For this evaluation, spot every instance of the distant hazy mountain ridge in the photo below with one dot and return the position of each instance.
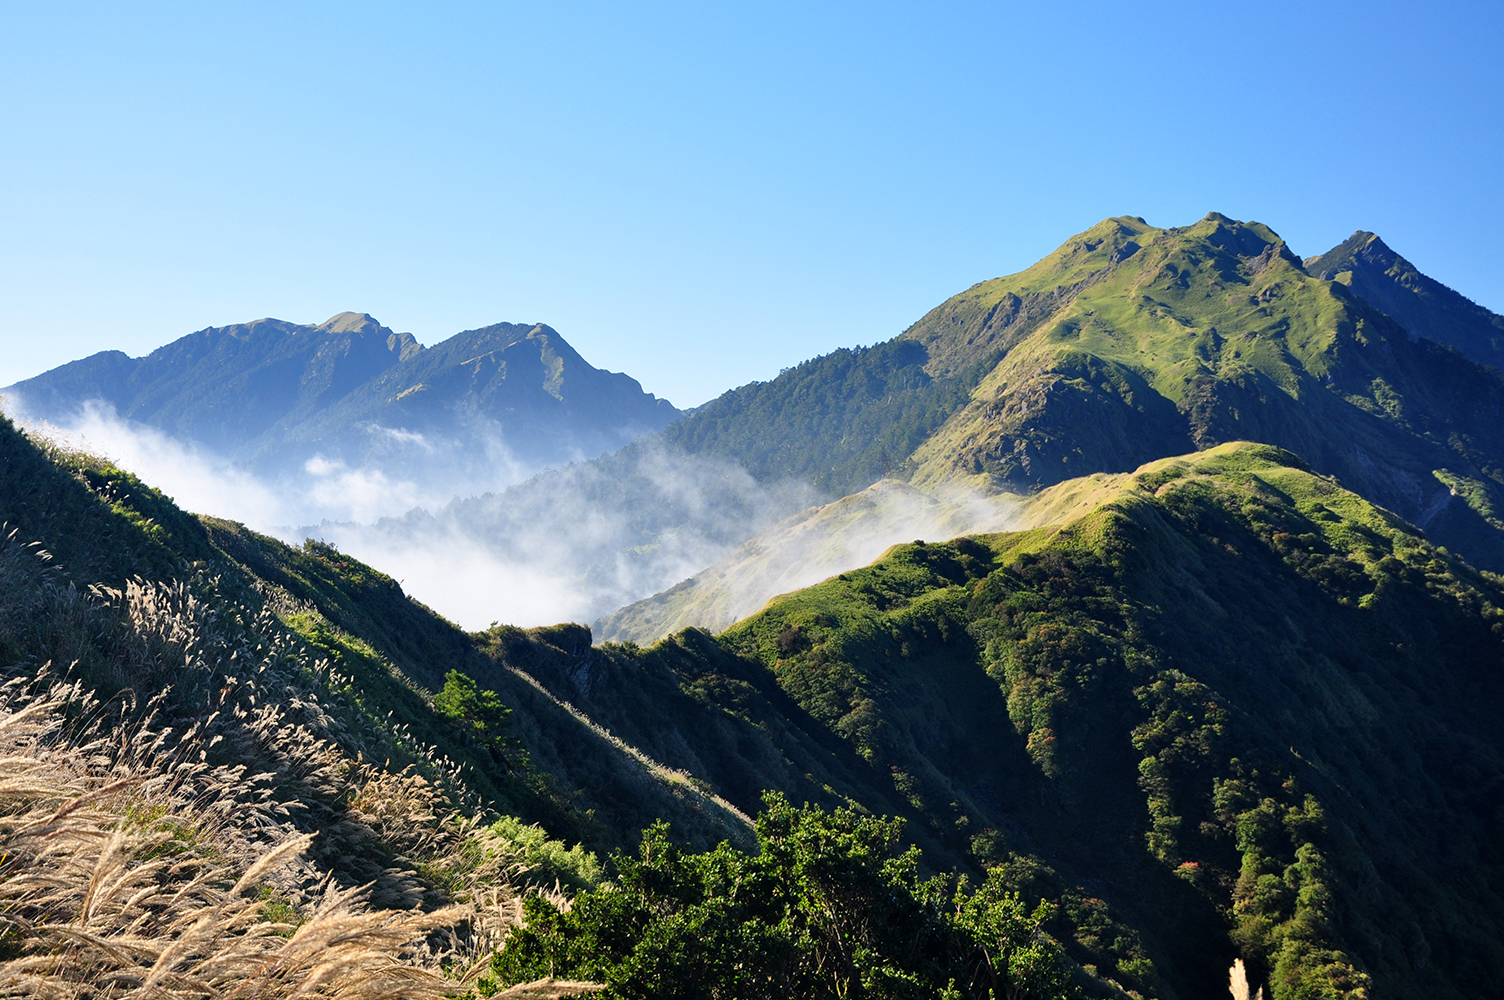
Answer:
(272, 394)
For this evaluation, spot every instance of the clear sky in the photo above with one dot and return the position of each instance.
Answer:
(698, 194)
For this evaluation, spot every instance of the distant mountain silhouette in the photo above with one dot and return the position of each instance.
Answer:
(271, 394)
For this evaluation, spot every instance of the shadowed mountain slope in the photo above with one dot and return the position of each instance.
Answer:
(373, 658)
(1422, 305)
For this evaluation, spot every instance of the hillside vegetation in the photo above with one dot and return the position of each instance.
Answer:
(1180, 717)
(1232, 711)
(1131, 343)
(235, 763)
(1211, 705)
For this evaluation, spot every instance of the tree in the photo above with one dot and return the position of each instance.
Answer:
(479, 714)
(828, 907)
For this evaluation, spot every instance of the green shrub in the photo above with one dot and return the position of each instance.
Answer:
(829, 907)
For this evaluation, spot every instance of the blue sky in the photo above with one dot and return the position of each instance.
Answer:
(698, 194)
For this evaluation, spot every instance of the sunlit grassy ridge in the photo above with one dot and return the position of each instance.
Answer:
(1127, 344)
(1130, 343)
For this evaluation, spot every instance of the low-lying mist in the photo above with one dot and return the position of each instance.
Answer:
(576, 543)
(566, 545)
(570, 544)
(201, 480)
(806, 548)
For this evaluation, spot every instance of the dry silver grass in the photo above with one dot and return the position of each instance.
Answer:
(113, 888)
(1238, 983)
(132, 865)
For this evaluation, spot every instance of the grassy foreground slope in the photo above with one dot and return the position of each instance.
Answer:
(1225, 708)
(190, 801)
(230, 761)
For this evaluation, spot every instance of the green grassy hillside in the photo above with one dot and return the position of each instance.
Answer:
(1130, 343)
(1232, 710)
(1206, 700)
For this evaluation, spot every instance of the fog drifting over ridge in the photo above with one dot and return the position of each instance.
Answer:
(806, 548)
(571, 544)
(568, 545)
(575, 543)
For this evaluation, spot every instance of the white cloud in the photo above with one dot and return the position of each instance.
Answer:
(196, 479)
(572, 545)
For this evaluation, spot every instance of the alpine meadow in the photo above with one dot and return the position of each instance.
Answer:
(1129, 626)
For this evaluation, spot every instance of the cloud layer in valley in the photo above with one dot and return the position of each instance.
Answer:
(570, 544)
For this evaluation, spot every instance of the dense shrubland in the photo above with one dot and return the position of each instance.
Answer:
(830, 905)
(1184, 720)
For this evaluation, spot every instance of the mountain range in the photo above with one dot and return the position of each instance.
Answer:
(271, 395)
(1157, 583)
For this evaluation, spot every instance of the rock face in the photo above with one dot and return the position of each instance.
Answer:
(272, 394)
